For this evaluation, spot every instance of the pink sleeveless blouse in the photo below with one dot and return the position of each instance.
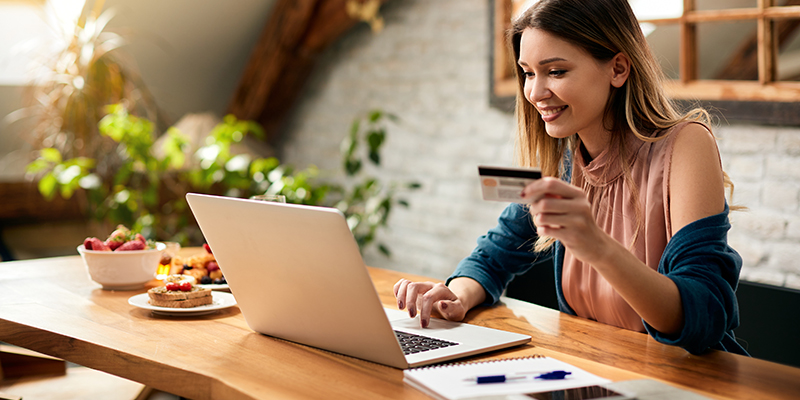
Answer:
(616, 208)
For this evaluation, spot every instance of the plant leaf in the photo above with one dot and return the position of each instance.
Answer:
(375, 139)
(354, 128)
(375, 115)
(375, 157)
(37, 165)
(47, 186)
(51, 154)
(352, 166)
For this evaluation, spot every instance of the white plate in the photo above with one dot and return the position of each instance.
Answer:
(221, 300)
(223, 287)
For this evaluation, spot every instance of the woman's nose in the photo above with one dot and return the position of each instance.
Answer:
(539, 91)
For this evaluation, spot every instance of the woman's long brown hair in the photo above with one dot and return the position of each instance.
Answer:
(603, 28)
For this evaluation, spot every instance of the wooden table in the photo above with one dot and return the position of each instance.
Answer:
(51, 306)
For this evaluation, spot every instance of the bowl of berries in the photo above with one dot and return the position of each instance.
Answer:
(124, 261)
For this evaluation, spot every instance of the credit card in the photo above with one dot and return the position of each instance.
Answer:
(506, 183)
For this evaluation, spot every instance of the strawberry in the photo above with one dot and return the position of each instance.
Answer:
(95, 244)
(207, 247)
(140, 238)
(118, 237)
(114, 242)
(132, 245)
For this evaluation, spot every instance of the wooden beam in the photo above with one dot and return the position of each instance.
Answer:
(504, 63)
(707, 89)
(787, 11)
(766, 46)
(295, 34)
(744, 63)
(287, 23)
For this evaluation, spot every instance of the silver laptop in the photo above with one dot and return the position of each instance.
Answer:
(297, 274)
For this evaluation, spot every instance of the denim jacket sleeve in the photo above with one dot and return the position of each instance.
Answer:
(504, 252)
(706, 271)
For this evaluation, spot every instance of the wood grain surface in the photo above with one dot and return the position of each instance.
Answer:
(51, 306)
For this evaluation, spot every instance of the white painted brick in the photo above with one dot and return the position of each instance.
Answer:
(781, 196)
(749, 166)
(789, 141)
(793, 281)
(782, 167)
(763, 275)
(746, 194)
(746, 139)
(793, 228)
(785, 257)
(764, 224)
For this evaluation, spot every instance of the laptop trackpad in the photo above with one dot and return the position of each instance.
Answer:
(440, 328)
(400, 319)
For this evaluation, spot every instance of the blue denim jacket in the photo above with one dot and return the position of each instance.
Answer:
(697, 258)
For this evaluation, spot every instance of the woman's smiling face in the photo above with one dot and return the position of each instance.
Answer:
(568, 86)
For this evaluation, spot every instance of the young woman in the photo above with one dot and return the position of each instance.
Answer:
(632, 208)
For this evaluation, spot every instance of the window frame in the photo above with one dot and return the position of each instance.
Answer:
(766, 101)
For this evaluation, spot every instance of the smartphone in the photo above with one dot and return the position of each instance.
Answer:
(581, 393)
(506, 183)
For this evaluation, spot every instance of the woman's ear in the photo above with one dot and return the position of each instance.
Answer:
(620, 69)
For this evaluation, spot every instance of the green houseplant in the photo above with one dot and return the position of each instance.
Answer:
(96, 127)
(368, 201)
(146, 191)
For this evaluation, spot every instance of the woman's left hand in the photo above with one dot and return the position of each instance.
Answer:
(563, 212)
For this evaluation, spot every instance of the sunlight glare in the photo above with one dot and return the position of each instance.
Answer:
(650, 9)
(29, 32)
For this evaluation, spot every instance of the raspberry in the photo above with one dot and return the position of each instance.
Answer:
(95, 244)
(212, 266)
(132, 245)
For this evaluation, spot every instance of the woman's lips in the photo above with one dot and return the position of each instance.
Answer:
(551, 113)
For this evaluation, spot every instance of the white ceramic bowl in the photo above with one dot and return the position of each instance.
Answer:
(122, 270)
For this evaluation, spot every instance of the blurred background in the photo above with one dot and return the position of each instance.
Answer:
(422, 73)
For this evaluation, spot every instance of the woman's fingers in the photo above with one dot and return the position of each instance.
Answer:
(436, 293)
(414, 293)
(549, 187)
(396, 287)
(421, 297)
(400, 292)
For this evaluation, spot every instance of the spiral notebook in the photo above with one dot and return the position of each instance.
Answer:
(459, 380)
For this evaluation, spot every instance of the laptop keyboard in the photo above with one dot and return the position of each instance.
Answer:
(413, 344)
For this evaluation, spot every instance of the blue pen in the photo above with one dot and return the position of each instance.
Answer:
(553, 375)
(497, 378)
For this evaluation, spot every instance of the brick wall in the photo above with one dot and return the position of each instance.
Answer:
(430, 66)
(764, 164)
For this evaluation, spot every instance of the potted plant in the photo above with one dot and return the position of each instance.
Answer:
(147, 189)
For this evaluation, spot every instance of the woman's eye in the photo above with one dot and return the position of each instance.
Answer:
(528, 74)
(558, 72)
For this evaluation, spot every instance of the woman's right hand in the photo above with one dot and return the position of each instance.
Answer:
(422, 297)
